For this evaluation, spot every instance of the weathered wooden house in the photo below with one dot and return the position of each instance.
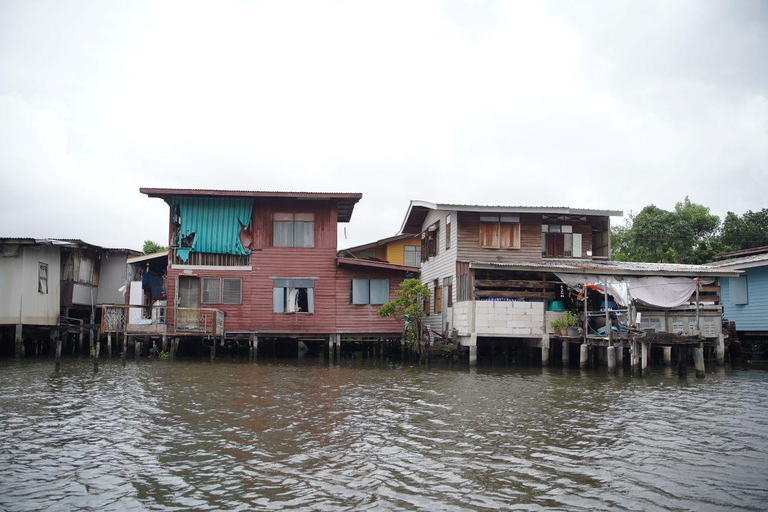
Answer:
(745, 298)
(48, 284)
(398, 250)
(495, 271)
(256, 265)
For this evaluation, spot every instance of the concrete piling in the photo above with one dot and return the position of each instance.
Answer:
(584, 355)
(645, 350)
(611, 357)
(698, 362)
(566, 353)
(667, 356)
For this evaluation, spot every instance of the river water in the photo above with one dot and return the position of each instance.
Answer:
(363, 435)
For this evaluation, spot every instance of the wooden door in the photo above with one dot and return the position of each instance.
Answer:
(189, 303)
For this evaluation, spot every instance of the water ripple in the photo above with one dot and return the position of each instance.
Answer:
(357, 436)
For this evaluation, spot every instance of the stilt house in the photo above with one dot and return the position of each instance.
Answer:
(246, 264)
(500, 276)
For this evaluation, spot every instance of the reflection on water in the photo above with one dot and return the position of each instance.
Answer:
(304, 435)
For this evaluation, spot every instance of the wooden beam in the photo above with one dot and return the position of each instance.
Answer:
(513, 294)
(512, 283)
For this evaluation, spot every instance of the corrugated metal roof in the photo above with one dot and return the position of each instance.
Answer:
(756, 260)
(610, 267)
(64, 242)
(345, 201)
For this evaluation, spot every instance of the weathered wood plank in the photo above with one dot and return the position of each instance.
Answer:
(505, 294)
(512, 283)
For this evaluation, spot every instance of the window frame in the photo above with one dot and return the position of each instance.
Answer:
(288, 289)
(448, 232)
(733, 283)
(368, 290)
(416, 249)
(220, 298)
(42, 278)
(292, 220)
(496, 225)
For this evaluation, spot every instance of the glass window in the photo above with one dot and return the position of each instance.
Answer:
(294, 230)
(370, 291)
(379, 291)
(412, 256)
(293, 296)
(360, 292)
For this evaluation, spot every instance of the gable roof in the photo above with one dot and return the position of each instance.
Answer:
(378, 243)
(752, 258)
(345, 201)
(417, 212)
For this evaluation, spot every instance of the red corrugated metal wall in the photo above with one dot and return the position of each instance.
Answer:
(333, 311)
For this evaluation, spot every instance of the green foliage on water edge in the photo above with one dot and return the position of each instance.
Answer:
(689, 234)
(163, 355)
(408, 308)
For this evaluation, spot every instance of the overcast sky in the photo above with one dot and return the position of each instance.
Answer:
(611, 105)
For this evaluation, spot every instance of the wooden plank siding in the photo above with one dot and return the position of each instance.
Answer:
(469, 240)
(332, 311)
(395, 252)
(752, 316)
(440, 266)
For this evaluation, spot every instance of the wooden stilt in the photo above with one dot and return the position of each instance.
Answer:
(566, 353)
(136, 349)
(619, 357)
(125, 348)
(17, 342)
(213, 350)
(58, 354)
(682, 361)
(165, 342)
(96, 357)
(109, 345)
(80, 337)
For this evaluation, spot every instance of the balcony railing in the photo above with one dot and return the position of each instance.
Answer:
(152, 320)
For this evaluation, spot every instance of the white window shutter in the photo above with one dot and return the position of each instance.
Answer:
(576, 253)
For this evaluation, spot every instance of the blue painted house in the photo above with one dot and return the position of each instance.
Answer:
(745, 298)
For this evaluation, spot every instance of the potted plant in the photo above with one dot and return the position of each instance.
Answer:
(571, 321)
(557, 325)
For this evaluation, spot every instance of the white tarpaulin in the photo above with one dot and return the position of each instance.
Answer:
(663, 292)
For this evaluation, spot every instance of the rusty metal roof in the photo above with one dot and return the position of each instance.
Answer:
(417, 211)
(755, 260)
(345, 201)
(571, 266)
(73, 243)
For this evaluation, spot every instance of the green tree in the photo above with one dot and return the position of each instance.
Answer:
(689, 234)
(745, 231)
(407, 308)
(152, 247)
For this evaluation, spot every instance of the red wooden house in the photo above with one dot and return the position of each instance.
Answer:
(268, 261)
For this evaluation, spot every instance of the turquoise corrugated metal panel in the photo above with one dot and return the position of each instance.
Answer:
(752, 316)
(216, 222)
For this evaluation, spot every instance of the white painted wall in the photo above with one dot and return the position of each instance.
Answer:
(20, 300)
(112, 276)
(441, 266)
